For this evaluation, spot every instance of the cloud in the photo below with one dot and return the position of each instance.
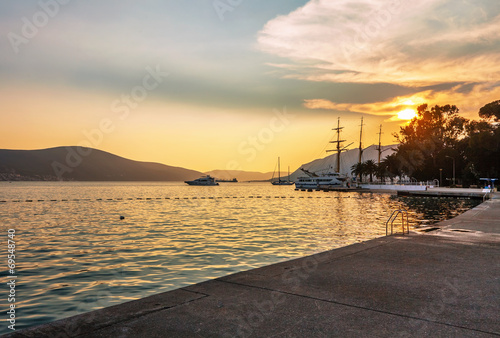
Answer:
(390, 109)
(469, 99)
(412, 43)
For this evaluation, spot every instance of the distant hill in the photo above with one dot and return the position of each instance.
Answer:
(83, 164)
(242, 176)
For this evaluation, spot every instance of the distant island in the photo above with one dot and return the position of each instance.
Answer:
(83, 164)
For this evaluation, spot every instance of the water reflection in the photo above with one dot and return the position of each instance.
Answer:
(433, 209)
(75, 256)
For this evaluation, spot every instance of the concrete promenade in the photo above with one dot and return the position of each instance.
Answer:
(446, 192)
(444, 283)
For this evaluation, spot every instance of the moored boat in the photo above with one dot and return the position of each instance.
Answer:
(316, 181)
(205, 180)
(234, 180)
(329, 179)
(279, 181)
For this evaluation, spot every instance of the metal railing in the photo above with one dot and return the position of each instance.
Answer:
(393, 217)
(486, 196)
(434, 183)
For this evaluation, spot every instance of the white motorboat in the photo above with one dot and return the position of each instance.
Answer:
(316, 181)
(205, 180)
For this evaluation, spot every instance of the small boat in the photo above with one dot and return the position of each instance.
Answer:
(234, 180)
(279, 181)
(205, 180)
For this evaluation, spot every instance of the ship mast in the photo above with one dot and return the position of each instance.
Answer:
(339, 141)
(279, 169)
(360, 142)
(379, 144)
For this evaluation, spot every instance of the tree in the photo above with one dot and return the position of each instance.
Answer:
(358, 169)
(429, 138)
(483, 151)
(365, 168)
(370, 169)
(482, 146)
(439, 138)
(391, 165)
(381, 172)
(491, 111)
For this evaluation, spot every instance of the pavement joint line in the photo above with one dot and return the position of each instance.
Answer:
(365, 249)
(323, 260)
(146, 313)
(361, 307)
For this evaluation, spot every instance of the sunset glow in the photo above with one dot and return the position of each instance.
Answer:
(224, 74)
(407, 114)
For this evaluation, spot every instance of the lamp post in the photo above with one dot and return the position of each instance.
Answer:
(453, 168)
(440, 177)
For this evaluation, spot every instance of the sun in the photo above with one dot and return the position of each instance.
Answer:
(407, 114)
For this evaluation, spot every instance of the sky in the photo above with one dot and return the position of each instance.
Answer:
(233, 84)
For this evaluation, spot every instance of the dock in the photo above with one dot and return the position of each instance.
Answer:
(415, 191)
(444, 283)
(343, 189)
(447, 192)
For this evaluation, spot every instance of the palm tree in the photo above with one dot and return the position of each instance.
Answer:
(370, 168)
(381, 171)
(358, 169)
(392, 165)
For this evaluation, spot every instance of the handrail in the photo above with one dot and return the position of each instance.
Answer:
(486, 196)
(410, 183)
(393, 217)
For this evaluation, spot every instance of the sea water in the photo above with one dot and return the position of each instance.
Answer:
(84, 246)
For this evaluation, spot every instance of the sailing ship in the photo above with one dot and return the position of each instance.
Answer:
(205, 180)
(279, 181)
(329, 179)
(314, 181)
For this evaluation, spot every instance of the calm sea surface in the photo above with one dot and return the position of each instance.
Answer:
(74, 254)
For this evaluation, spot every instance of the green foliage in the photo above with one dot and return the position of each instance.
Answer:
(358, 169)
(439, 138)
(391, 166)
(491, 111)
(368, 168)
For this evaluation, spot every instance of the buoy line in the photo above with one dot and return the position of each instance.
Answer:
(121, 199)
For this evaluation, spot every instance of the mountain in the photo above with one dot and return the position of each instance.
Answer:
(83, 164)
(347, 160)
(242, 176)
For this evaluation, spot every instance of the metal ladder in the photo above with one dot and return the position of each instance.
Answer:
(393, 217)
